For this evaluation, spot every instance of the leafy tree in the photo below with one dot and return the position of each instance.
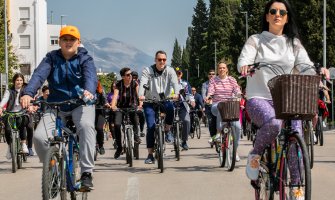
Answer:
(176, 55)
(107, 80)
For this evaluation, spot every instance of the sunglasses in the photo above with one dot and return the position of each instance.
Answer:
(281, 12)
(211, 74)
(161, 59)
(128, 74)
(193, 90)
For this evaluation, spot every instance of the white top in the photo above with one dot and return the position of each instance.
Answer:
(272, 49)
(5, 99)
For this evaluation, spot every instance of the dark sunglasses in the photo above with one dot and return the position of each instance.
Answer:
(128, 74)
(161, 59)
(211, 74)
(281, 12)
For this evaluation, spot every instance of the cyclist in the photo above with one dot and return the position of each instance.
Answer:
(199, 105)
(140, 115)
(159, 77)
(184, 112)
(64, 69)
(100, 117)
(127, 90)
(111, 113)
(277, 44)
(11, 100)
(208, 106)
(221, 88)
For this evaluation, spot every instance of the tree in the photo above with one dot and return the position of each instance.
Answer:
(176, 55)
(107, 80)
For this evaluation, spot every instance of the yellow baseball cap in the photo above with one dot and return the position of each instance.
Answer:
(70, 30)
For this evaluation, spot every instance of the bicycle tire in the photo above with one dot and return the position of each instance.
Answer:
(231, 147)
(160, 149)
(220, 146)
(129, 147)
(53, 179)
(285, 181)
(136, 151)
(197, 128)
(177, 141)
(309, 140)
(193, 127)
(13, 150)
(320, 131)
(19, 154)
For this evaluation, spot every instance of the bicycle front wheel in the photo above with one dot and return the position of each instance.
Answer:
(295, 171)
(231, 145)
(53, 176)
(160, 149)
(129, 147)
(13, 150)
(197, 128)
(176, 141)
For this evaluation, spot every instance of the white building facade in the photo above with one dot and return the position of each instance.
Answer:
(31, 36)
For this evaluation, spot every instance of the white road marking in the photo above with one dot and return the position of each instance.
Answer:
(133, 189)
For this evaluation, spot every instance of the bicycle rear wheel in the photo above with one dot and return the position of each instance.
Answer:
(193, 127)
(309, 140)
(319, 131)
(13, 150)
(53, 176)
(176, 141)
(197, 127)
(299, 177)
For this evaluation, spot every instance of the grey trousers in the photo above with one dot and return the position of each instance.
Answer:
(186, 120)
(83, 117)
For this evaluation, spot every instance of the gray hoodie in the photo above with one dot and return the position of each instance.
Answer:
(158, 83)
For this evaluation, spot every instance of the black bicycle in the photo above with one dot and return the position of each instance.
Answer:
(196, 124)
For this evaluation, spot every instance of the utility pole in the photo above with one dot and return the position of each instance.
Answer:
(246, 24)
(6, 44)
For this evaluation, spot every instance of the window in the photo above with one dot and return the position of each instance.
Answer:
(25, 69)
(24, 41)
(53, 40)
(24, 13)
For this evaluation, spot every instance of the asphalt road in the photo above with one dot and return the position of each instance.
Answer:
(196, 176)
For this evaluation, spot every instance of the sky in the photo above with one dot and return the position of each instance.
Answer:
(148, 25)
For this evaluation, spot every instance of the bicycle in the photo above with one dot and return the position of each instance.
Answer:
(61, 171)
(319, 131)
(130, 147)
(176, 128)
(15, 146)
(196, 123)
(227, 143)
(275, 175)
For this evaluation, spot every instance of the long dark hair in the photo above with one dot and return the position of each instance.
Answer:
(290, 28)
(16, 76)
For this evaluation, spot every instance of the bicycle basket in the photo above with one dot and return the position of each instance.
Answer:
(294, 96)
(229, 110)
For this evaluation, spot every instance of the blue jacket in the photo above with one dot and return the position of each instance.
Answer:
(63, 75)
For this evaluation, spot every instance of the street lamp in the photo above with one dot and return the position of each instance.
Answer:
(197, 65)
(246, 24)
(61, 20)
(324, 33)
(6, 44)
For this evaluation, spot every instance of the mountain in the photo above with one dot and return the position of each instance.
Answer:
(111, 55)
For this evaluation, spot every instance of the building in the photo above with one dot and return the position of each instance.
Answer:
(31, 36)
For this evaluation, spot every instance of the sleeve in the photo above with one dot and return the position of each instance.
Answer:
(211, 87)
(237, 88)
(144, 80)
(301, 56)
(203, 90)
(90, 75)
(201, 102)
(5, 99)
(248, 53)
(39, 76)
(174, 81)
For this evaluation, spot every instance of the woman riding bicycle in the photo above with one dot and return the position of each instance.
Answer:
(127, 90)
(222, 88)
(277, 44)
(11, 98)
(100, 118)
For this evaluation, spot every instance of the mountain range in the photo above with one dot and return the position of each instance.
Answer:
(111, 55)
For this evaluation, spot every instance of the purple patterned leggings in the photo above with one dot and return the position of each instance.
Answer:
(262, 113)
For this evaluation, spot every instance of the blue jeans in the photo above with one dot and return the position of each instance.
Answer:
(150, 114)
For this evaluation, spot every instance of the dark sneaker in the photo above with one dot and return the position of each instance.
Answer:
(86, 182)
(137, 139)
(169, 137)
(101, 150)
(142, 134)
(117, 153)
(31, 152)
(184, 146)
(150, 159)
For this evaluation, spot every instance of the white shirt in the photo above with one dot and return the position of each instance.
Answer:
(273, 49)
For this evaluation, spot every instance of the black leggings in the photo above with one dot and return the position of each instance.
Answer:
(99, 126)
(25, 126)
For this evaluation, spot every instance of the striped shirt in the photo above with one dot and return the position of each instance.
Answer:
(223, 89)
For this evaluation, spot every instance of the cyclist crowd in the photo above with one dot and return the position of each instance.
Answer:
(71, 66)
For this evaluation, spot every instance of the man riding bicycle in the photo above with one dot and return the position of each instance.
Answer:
(159, 78)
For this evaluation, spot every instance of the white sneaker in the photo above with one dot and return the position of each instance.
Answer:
(24, 148)
(210, 141)
(217, 137)
(8, 154)
(314, 138)
(238, 159)
(324, 124)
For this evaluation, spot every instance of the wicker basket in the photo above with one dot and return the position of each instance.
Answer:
(294, 96)
(229, 110)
